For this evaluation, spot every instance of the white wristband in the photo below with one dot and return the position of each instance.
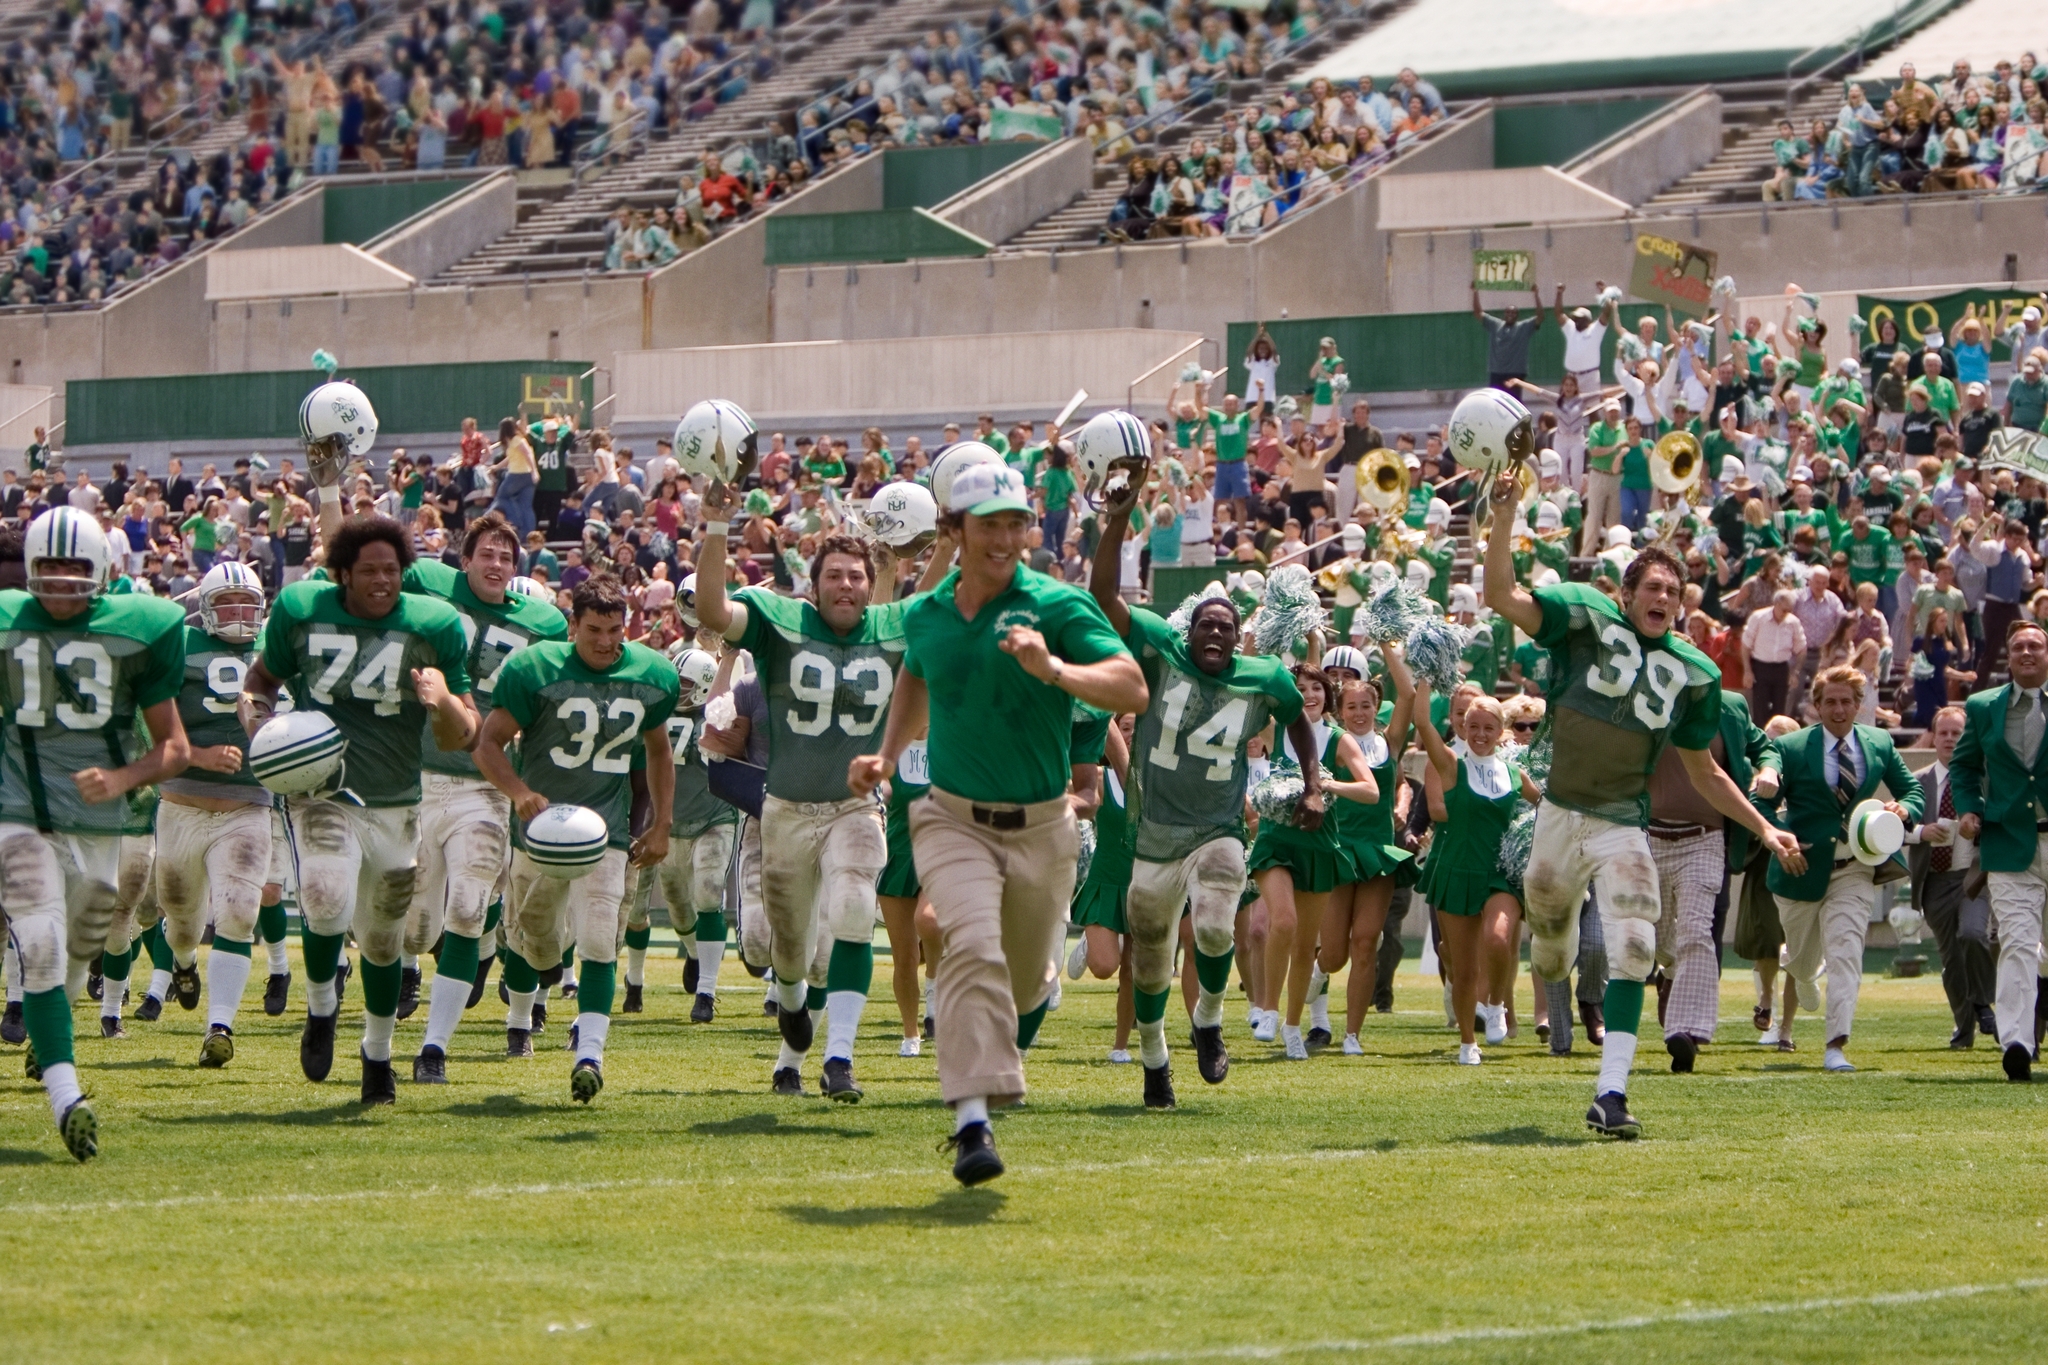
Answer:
(717, 528)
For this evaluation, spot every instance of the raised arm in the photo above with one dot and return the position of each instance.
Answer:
(1507, 597)
(1106, 574)
(714, 608)
(1441, 760)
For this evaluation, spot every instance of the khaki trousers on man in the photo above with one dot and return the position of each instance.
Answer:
(2016, 901)
(1829, 933)
(1000, 879)
(1603, 509)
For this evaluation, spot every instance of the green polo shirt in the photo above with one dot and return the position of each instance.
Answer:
(1598, 435)
(998, 734)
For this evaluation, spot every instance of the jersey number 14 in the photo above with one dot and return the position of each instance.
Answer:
(1215, 739)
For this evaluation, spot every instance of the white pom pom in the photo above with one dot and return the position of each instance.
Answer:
(1290, 611)
(1276, 796)
(721, 711)
(1435, 650)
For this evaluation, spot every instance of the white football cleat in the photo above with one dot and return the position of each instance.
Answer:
(1352, 1047)
(910, 1047)
(1468, 1054)
(1120, 1055)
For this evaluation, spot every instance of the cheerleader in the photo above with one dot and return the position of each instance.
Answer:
(1104, 949)
(1297, 869)
(1463, 881)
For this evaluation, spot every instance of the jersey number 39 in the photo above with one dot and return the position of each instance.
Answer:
(1623, 661)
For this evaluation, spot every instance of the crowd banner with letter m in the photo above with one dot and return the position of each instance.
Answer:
(1676, 274)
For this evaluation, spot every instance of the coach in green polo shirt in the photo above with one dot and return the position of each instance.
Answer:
(996, 655)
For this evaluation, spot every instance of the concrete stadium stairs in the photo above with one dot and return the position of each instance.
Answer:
(561, 227)
(1749, 124)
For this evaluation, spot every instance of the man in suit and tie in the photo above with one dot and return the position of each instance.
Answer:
(2001, 781)
(1940, 861)
(1829, 769)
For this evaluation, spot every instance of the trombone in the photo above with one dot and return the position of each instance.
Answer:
(1676, 462)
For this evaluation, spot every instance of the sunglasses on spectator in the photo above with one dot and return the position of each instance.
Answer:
(1524, 726)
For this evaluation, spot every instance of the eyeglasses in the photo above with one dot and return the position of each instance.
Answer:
(1525, 727)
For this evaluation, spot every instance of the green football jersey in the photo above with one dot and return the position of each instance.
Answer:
(828, 695)
(579, 729)
(696, 809)
(1617, 698)
(1188, 767)
(72, 694)
(214, 670)
(358, 671)
(494, 633)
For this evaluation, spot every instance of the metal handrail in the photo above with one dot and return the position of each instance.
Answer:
(1131, 391)
(610, 141)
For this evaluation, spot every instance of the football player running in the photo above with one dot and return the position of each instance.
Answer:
(80, 666)
(465, 822)
(213, 824)
(1624, 687)
(701, 830)
(387, 667)
(580, 708)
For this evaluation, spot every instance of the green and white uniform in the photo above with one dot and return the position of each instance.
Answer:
(911, 780)
(1464, 856)
(700, 832)
(465, 822)
(1100, 899)
(356, 850)
(580, 731)
(1188, 778)
(1316, 858)
(1367, 831)
(71, 693)
(822, 848)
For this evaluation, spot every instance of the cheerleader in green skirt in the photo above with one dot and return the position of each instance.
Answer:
(1463, 881)
(1105, 947)
(913, 932)
(1297, 868)
(1356, 912)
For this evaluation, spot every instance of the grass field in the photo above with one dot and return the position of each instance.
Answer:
(1393, 1206)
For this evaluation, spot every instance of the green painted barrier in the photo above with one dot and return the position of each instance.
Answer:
(1553, 134)
(877, 235)
(264, 405)
(925, 177)
(357, 213)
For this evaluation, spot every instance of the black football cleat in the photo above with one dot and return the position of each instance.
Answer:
(704, 1009)
(30, 1067)
(974, 1161)
(110, 1026)
(13, 1028)
(1683, 1050)
(150, 1010)
(1609, 1117)
(1159, 1087)
(1211, 1058)
(796, 1029)
(1316, 1038)
(838, 1081)
(380, 1086)
(633, 1003)
(518, 1042)
(185, 986)
(316, 1046)
(585, 1080)
(342, 972)
(430, 1067)
(80, 1131)
(540, 1016)
(219, 1048)
(95, 982)
(408, 991)
(786, 1081)
(690, 970)
(483, 980)
(276, 991)
(504, 991)
(771, 1006)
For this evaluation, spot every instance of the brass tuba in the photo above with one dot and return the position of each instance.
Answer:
(1676, 462)
(1383, 481)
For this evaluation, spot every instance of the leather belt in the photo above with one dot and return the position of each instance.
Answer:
(1675, 832)
(1011, 818)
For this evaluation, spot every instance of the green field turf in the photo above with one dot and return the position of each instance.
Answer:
(1392, 1207)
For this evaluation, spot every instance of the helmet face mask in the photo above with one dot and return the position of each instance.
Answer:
(697, 671)
(66, 557)
(717, 440)
(686, 601)
(1114, 450)
(237, 623)
(904, 517)
(337, 423)
(1490, 430)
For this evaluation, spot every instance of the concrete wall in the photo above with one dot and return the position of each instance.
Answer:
(275, 271)
(1040, 185)
(1524, 194)
(1667, 147)
(457, 227)
(23, 408)
(855, 189)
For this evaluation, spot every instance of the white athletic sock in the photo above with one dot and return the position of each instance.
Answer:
(75, 971)
(842, 1022)
(590, 1032)
(408, 962)
(520, 1014)
(969, 1111)
(1152, 1042)
(110, 998)
(710, 952)
(160, 987)
(226, 975)
(790, 995)
(1208, 1008)
(321, 997)
(190, 959)
(446, 1002)
(280, 958)
(636, 966)
(1319, 1009)
(1617, 1055)
(60, 1083)
(789, 1059)
(377, 1030)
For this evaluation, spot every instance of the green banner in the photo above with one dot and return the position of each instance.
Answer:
(1502, 272)
(1676, 274)
(1006, 124)
(1943, 313)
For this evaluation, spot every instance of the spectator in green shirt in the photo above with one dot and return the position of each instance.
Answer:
(1941, 391)
(1793, 154)
(2026, 398)
(1604, 442)
(1056, 489)
(986, 433)
(1636, 488)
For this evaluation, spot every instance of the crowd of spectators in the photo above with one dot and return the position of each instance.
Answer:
(1967, 132)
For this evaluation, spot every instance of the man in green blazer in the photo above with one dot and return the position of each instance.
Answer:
(2000, 769)
(1828, 769)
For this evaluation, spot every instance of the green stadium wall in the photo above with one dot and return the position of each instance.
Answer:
(925, 177)
(357, 213)
(1554, 134)
(264, 405)
(877, 235)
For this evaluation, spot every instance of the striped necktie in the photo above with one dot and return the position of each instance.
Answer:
(1941, 858)
(1846, 782)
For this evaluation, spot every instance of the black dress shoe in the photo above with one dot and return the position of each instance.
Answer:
(379, 1085)
(633, 1004)
(316, 1046)
(974, 1155)
(1595, 1021)
(2019, 1063)
(1211, 1058)
(1987, 1022)
(1683, 1050)
(1159, 1087)
(1962, 1040)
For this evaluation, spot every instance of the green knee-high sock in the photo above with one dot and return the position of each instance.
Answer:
(380, 988)
(323, 954)
(1028, 1023)
(1214, 972)
(569, 959)
(635, 938)
(710, 926)
(595, 982)
(1148, 1007)
(270, 922)
(851, 968)
(458, 958)
(159, 948)
(1622, 1007)
(47, 1015)
(115, 966)
(520, 975)
(814, 998)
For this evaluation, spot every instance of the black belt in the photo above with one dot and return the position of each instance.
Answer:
(1841, 863)
(1656, 831)
(999, 819)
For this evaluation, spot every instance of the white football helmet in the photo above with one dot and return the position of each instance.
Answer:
(904, 517)
(951, 461)
(65, 533)
(337, 423)
(1111, 443)
(1489, 431)
(522, 586)
(298, 752)
(716, 440)
(238, 623)
(697, 670)
(686, 601)
(566, 842)
(1344, 656)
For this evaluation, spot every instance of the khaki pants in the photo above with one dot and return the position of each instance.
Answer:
(59, 890)
(1571, 852)
(1211, 878)
(1001, 898)
(819, 865)
(356, 869)
(298, 137)
(1603, 509)
(210, 866)
(465, 833)
(1828, 934)
(545, 915)
(2016, 900)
